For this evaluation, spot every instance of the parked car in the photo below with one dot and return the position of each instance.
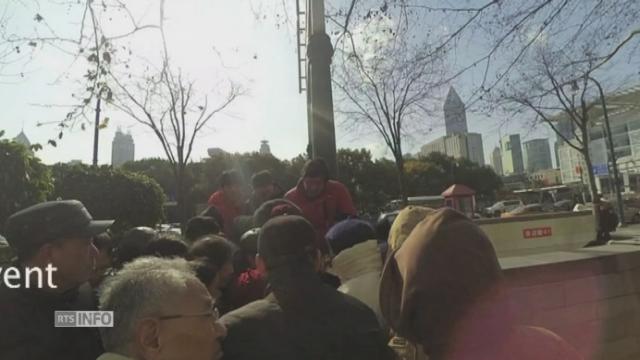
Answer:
(501, 207)
(525, 210)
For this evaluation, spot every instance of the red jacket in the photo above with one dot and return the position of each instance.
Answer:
(323, 211)
(227, 210)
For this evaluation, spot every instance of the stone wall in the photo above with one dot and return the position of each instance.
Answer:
(590, 297)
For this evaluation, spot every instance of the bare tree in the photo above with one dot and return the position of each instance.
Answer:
(386, 80)
(167, 103)
(94, 35)
(501, 33)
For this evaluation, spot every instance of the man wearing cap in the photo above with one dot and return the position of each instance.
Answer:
(58, 235)
(302, 318)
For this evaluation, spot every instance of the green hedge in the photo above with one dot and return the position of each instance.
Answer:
(24, 180)
(131, 199)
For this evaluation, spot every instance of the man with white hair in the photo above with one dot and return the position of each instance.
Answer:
(161, 311)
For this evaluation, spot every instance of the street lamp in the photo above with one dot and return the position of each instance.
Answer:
(614, 162)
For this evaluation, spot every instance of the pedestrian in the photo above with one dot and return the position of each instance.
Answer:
(199, 226)
(167, 244)
(104, 260)
(357, 261)
(404, 223)
(302, 318)
(229, 200)
(217, 252)
(323, 201)
(264, 189)
(443, 290)
(55, 234)
(132, 245)
(248, 284)
(161, 311)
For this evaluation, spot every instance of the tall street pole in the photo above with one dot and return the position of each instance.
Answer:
(322, 134)
(614, 164)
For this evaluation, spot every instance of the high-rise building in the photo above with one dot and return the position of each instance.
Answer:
(455, 115)
(458, 142)
(536, 155)
(496, 160)
(265, 149)
(122, 148)
(512, 162)
(467, 146)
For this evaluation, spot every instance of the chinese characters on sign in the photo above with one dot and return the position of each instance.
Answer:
(536, 232)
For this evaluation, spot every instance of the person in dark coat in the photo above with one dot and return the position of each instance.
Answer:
(54, 234)
(302, 318)
(264, 189)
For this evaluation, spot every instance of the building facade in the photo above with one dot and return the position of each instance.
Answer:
(496, 160)
(624, 119)
(458, 142)
(265, 149)
(122, 148)
(455, 114)
(512, 162)
(467, 146)
(536, 155)
(548, 177)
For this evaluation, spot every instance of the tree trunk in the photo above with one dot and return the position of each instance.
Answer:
(402, 180)
(181, 196)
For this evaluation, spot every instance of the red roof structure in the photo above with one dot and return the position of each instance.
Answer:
(458, 190)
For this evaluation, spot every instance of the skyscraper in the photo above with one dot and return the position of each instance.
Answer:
(512, 162)
(496, 160)
(122, 148)
(455, 117)
(458, 142)
(537, 155)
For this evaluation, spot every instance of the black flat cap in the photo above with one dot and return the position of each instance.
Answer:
(44, 222)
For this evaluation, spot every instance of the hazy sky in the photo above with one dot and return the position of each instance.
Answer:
(255, 53)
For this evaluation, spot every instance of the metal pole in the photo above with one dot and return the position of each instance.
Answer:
(614, 163)
(322, 136)
(96, 130)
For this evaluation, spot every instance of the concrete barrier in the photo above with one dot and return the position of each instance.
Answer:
(534, 234)
(590, 297)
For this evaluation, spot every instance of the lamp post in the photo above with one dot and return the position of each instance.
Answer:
(614, 162)
(322, 135)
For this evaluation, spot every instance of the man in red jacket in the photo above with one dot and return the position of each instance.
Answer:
(229, 199)
(322, 201)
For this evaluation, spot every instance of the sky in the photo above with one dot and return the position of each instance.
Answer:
(212, 42)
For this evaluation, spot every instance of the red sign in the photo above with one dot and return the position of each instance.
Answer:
(536, 232)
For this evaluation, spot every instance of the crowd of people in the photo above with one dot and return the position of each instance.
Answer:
(292, 275)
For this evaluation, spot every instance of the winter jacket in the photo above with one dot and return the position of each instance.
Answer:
(443, 289)
(329, 326)
(27, 328)
(359, 268)
(333, 205)
(227, 210)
